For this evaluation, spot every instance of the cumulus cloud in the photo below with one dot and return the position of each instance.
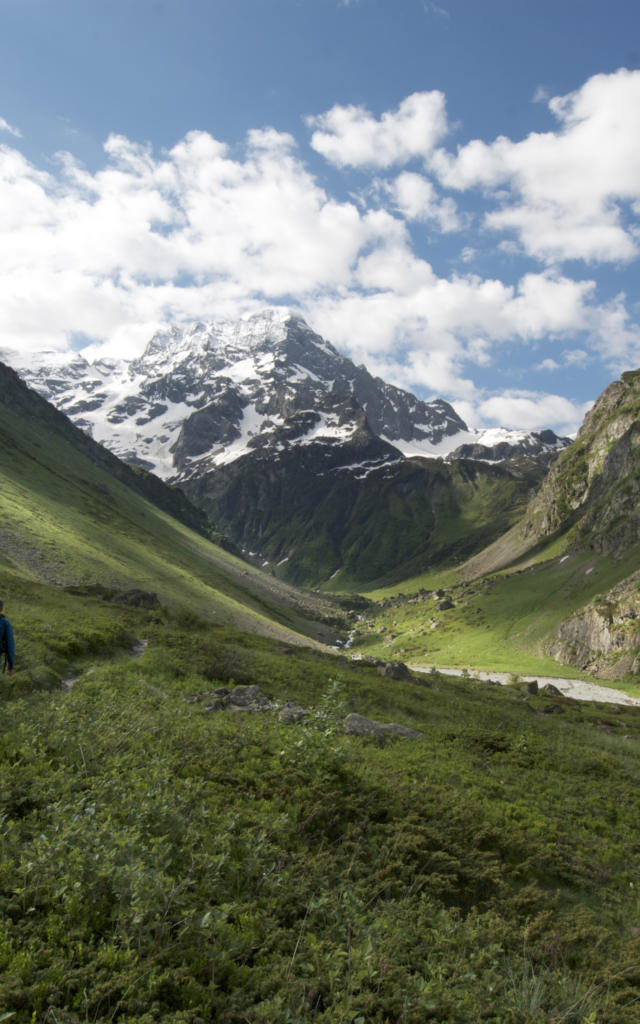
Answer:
(352, 137)
(569, 193)
(548, 364)
(201, 231)
(533, 411)
(415, 197)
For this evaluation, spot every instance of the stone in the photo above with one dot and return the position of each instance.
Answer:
(243, 696)
(394, 670)
(358, 725)
(292, 714)
(532, 687)
(551, 691)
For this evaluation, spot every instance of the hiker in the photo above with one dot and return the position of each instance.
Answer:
(7, 647)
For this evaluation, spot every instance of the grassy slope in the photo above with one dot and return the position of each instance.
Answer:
(159, 863)
(501, 622)
(431, 513)
(65, 521)
(162, 864)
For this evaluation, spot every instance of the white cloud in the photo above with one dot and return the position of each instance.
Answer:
(415, 197)
(200, 231)
(533, 411)
(548, 364)
(352, 137)
(570, 192)
(575, 357)
(6, 127)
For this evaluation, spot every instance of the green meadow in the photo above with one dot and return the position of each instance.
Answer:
(164, 861)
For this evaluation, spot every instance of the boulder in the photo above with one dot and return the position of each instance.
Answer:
(292, 714)
(242, 698)
(551, 691)
(394, 670)
(358, 725)
(248, 697)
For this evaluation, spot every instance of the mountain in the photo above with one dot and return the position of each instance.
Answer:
(564, 581)
(192, 819)
(287, 445)
(79, 526)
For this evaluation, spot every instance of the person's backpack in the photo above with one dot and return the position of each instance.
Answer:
(4, 643)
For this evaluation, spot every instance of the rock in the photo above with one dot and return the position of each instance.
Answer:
(532, 688)
(553, 709)
(358, 725)
(394, 670)
(245, 696)
(551, 691)
(292, 714)
(443, 606)
(242, 698)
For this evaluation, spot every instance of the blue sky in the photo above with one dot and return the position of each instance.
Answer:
(449, 191)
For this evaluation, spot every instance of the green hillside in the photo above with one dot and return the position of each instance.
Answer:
(76, 539)
(320, 523)
(558, 593)
(166, 859)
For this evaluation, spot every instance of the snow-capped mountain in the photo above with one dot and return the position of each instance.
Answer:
(202, 397)
(302, 458)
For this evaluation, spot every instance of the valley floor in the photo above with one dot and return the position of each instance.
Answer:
(575, 688)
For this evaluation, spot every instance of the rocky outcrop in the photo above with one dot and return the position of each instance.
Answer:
(251, 698)
(604, 637)
(594, 485)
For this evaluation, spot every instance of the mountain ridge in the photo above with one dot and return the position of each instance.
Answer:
(285, 444)
(252, 375)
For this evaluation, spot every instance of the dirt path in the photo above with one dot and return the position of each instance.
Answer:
(578, 689)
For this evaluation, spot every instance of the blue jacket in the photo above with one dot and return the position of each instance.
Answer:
(7, 645)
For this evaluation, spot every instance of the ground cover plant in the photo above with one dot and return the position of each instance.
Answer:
(501, 622)
(159, 862)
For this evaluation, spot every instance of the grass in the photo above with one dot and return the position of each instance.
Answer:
(66, 521)
(161, 863)
(501, 623)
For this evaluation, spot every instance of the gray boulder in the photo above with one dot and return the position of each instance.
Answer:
(358, 725)
(292, 714)
(247, 698)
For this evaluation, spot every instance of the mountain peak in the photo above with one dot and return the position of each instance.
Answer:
(205, 395)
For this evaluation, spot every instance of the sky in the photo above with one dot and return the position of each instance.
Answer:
(448, 191)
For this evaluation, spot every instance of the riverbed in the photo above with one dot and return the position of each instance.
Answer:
(577, 689)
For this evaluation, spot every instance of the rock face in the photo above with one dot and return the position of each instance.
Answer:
(592, 495)
(604, 637)
(305, 460)
(594, 486)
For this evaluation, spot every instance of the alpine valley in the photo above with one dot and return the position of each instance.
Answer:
(208, 812)
(312, 466)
